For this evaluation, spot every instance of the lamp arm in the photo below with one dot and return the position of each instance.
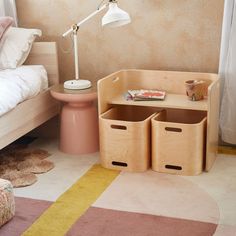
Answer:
(86, 19)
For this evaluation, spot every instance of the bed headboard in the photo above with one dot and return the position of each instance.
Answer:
(45, 53)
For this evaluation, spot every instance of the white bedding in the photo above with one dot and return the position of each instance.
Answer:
(17, 85)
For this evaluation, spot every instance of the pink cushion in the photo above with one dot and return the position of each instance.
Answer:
(5, 23)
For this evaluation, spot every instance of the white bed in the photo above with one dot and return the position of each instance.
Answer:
(20, 84)
(35, 111)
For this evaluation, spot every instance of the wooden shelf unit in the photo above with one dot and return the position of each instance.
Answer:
(112, 88)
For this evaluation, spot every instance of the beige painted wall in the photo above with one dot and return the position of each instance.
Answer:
(164, 34)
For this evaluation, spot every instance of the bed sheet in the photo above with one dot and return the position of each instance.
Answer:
(20, 84)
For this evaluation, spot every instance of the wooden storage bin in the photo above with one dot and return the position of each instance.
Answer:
(125, 138)
(178, 141)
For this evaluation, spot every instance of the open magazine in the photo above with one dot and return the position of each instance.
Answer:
(146, 95)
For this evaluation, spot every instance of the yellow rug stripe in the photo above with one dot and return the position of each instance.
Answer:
(59, 218)
(227, 150)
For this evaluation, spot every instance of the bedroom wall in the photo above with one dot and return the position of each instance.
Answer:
(164, 34)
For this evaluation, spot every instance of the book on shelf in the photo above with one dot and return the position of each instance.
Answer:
(146, 95)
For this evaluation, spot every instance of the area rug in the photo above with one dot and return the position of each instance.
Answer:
(19, 164)
(27, 211)
(112, 203)
(73, 203)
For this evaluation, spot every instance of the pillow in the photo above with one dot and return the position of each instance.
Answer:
(16, 46)
(5, 23)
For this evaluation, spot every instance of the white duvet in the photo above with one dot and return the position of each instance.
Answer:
(17, 85)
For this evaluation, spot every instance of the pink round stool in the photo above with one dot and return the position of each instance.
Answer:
(79, 120)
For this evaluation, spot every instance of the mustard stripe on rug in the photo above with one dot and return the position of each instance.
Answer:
(227, 150)
(58, 219)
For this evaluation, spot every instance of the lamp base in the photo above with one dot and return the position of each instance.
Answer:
(77, 84)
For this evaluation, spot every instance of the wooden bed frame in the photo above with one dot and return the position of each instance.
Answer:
(35, 111)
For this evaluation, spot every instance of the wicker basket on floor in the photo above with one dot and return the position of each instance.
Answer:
(7, 203)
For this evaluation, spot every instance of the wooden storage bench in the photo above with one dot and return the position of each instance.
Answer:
(111, 91)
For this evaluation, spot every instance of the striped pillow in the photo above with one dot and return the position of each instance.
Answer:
(5, 23)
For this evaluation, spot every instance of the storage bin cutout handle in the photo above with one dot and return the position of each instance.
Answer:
(172, 129)
(172, 167)
(118, 163)
(114, 80)
(121, 127)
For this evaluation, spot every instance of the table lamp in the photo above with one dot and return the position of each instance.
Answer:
(114, 17)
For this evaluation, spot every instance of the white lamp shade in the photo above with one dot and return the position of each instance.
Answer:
(115, 17)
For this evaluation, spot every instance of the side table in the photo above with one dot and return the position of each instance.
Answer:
(79, 119)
